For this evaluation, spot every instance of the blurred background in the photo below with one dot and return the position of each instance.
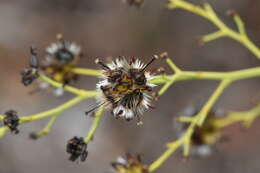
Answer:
(110, 28)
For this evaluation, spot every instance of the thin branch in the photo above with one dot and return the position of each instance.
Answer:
(59, 85)
(61, 108)
(86, 71)
(171, 148)
(245, 117)
(212, 36)
(208, 13)
(197, 120)
(47, 128)
(208, 75)
(212, 100)
(240, 24)
(3, 131)
(167, 85)
(170, 62)
(95, 125)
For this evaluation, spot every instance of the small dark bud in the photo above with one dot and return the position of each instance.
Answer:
(34, 63)
(161, 70)
(164, 55)
(200, 42)
(28, 76)
(11, 120)
(231, 13)
(155, 96)
(156, 57)
(77, 148)
(137, 3)
(33, 136)
(31, 73)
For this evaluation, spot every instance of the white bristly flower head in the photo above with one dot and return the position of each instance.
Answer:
(62, 52)
(60, 59)
(125, 87)
(130, 163)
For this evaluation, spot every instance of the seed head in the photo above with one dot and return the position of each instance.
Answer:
(11, 120)
(62, 56)
(77, 148)
(30, 73)
(125, 87)
(63, 52)
(130, 164)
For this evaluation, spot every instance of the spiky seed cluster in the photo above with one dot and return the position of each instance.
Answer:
(125, 87)
(203, 137)
(130, 164)
(137, 3)
(77, 148)
(30, 73)
(61, 58)
(11, 120)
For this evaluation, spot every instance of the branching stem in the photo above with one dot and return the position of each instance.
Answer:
(208, 13)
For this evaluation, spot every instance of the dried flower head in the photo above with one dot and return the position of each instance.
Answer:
(137, 3)
(61, 58)
(63, 52)
(30, 73)
(129, 165)
(11, 120)
(77, 148)
(125, 87)
(203, 137)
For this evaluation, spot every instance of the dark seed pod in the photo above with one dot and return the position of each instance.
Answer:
(28, 76)
(31, 73)
(11, 120)
(33, 136)
(34, 63)
(77, 148)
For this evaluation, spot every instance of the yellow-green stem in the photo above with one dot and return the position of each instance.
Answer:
(212, 100)
(86, 71)
(171, 148)
(246, 117)
(48, 127)
(207, 75)
(3, 130)
(95, 125)
(59, 85)
(208, 13)
(58, 109)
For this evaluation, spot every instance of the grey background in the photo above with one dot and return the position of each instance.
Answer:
(111, 28)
